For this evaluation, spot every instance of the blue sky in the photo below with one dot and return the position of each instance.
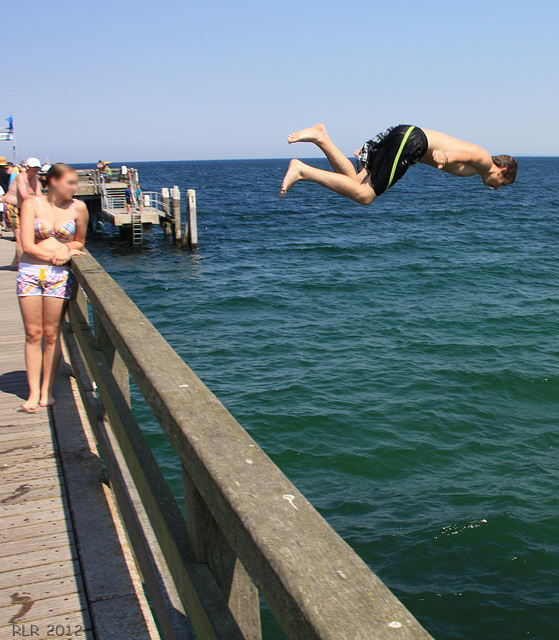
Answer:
(171, 80)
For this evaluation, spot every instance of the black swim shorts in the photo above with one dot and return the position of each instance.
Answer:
(390, 153)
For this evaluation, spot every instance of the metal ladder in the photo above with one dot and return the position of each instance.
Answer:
(137, 230)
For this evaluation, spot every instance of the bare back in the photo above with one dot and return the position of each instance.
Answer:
(442, 142)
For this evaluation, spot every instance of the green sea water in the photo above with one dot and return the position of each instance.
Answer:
(399, 362)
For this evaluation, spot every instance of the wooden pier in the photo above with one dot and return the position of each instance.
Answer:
(240, 530)
(66, 568)
(111, 202)
(106, 202)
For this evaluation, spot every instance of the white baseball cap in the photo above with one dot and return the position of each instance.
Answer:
(33, 162)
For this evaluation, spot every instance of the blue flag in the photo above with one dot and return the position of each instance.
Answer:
(10, 121)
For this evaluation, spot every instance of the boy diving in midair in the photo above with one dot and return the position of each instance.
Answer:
(385, 159)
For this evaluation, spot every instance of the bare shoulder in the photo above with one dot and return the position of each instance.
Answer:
(80, 208)
(29, 205)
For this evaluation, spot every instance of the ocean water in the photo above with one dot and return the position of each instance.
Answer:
(399, 362)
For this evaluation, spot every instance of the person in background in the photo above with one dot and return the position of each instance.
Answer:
(12, 173)
(139, 198)
(53, 229)
(128, 197)
(2, 226)
(4, 186)
(101, 166)
(45, 167)
(4, 174)
(108, 171)
(25, 185)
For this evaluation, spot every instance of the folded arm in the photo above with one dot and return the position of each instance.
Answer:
(63, 253)
(478, 159)
(51, 250)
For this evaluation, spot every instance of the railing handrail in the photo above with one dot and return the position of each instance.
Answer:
(313, 582)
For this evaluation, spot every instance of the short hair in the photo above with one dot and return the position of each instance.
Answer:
(509, 165)
(57, 170)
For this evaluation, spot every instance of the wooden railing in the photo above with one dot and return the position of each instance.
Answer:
(246, 531)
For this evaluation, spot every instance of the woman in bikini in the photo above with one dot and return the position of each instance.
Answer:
(53, 229)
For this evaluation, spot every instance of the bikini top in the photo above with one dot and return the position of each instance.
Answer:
(64, 233)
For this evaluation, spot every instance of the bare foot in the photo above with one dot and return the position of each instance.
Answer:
(312, 134)
(31, 403)
(48, 402)
(292, 176)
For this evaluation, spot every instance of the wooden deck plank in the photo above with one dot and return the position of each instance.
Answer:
(32, 510)
(45, 627)
(42, 472)
(22, 466)
(43, 607)
(26, 451)
(66, 552)
(54, 477)
(22, 578)
(48, 588)
(47, 512)
(43, 535)
(19, 421)
(28, 491)
(24, 432)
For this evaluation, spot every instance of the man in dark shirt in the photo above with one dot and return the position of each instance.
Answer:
(4, 174)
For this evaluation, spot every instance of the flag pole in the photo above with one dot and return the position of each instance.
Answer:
(14, 139)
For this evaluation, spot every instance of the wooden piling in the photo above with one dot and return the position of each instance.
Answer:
(190, 235)
(167, 228)
(176, 207)
(165, 203)
(165, 200)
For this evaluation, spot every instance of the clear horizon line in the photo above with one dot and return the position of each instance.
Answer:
(117, 162)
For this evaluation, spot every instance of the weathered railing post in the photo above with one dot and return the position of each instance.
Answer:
(190, 235)
(210, 546)
(118, 368)
(176, 205)
(81, 301)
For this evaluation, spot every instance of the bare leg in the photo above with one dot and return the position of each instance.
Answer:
(318, 136)
(53, 314)
(32, 314)
(359, 189)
